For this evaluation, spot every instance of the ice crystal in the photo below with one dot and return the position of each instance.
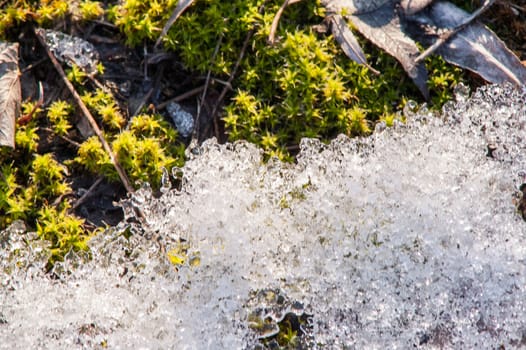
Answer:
(407, 239)
(72, 50)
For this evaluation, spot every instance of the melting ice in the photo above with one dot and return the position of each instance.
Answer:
(407, 239)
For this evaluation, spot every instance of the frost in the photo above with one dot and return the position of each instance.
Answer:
(407, 239)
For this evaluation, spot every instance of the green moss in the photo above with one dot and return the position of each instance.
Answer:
(26, 138)
(295, 195)
(148, 147)
(58, 114)
(90, 10)
(46, 13)
(30, 181)
(303, 86)
(34, 186)
(65, 232)
(103, 105)
(180, 254)
(442, 79)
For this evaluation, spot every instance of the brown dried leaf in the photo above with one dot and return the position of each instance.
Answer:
(475, 47)
(382, 27)
(10, 93)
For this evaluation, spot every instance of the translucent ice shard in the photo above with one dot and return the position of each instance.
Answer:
(407, 239)
(72, 50)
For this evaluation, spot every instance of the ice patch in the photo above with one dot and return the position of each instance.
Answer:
(407, 239)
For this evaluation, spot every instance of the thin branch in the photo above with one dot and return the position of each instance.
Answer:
(32, 65)
(150, 92)
(272, 34)
(517, 7)
(86, 113)
(179, 9)
(181, 97)
(65, 138)
(88, 193)
(230, 79)
(207, 83)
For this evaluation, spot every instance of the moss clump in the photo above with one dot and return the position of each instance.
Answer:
(34, 187)
(35, 177)
(31, 188)
(301, 87)
(64, 231)
(149, 146)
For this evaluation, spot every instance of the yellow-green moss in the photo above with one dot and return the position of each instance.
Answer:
(303, 86)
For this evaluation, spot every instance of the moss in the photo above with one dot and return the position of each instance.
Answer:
(58, 113)
(64, 231)
(148, 147)
(30, 180)
(90, 10)
(34, 184)
(180, 254)
(103, 105)
(303, 86)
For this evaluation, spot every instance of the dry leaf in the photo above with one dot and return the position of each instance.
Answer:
(475, 47)
(392, 25)
(10, 93)
(343, 35)
(382, 27)
(410, 7)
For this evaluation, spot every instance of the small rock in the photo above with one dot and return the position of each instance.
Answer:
(184, 121)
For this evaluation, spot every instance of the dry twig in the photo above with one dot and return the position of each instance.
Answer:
(88, 193)
(229, 81)
(181, 97)
(86, 113)
(272, 34)
(150, 92)
(207, 83)
(65, 138)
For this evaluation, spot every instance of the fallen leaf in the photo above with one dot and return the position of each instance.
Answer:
(382, 27)
(475, 47)
(410, 7)
(344, 36)
(10, 93)
(393, 25)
